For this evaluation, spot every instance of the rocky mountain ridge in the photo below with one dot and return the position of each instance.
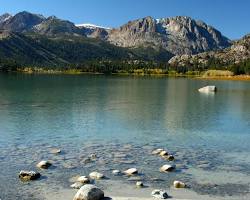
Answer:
(177, 35)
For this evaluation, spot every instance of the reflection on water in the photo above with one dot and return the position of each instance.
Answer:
(82, 114)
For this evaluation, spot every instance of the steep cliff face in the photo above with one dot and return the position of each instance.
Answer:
(238, 52)
(179, 35)
(136, 33)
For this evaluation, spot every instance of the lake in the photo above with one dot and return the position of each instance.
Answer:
(122, 119)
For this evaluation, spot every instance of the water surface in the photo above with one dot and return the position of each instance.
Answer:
(122, 119)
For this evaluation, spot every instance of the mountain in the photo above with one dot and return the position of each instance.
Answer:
(18, 49)
(178, 35)
(94, 31)
(36, 50)
(54, 26)
(21, 22)
(179, 44)
(238, 53)
(5, 17)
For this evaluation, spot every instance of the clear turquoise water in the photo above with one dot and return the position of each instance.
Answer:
(100, 114)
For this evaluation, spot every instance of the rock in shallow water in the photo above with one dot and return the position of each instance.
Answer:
(89, 192)
(179, 184)
(44, 164)
(164, 153)
(29, 175)
(131, 171)
(116, 172)
(93, 156)
(167, 168)
(160, 194)
(139, 184)
(96, 175)
(170, 157)
(55, 151)
(157, 151)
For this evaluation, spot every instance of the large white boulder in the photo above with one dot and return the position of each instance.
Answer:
(207, 89)
(89, 192)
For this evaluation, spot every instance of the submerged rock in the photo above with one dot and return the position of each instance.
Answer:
(131, 171)
(93, 156)
(127, 162)
(116, 172)
(44, 164)
(159, 194)
(69, 165)
(89, 192)
(135, 178)
(87, 160)
(179, 184)
(170, 157)
(167, 168)
(55, 151)
(29, 175)
(157, 151)
(96, 175)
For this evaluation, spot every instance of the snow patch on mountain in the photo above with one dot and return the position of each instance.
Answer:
(91, 26)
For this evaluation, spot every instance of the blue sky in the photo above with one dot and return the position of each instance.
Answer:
(231, 17)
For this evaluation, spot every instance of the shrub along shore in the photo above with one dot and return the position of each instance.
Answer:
(209, 74)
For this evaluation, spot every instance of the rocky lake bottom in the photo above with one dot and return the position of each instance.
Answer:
(205, 172)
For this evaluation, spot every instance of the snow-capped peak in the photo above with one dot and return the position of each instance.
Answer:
(5, 17)
(8, 17)
(91, 26)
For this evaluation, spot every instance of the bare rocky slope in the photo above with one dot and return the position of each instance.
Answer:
(235, 54)
(179, 35)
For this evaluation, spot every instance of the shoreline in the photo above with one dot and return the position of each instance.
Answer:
(229, 78)
(198, 77)
(204, 75)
